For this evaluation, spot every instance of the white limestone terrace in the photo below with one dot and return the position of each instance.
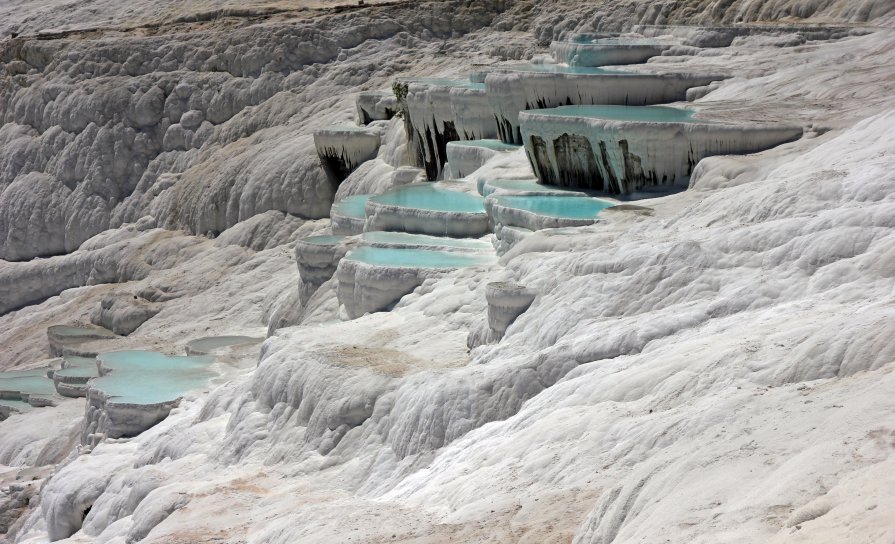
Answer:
(545, 211)
(317, 258)
(342, 148)
(719, 370)
(584, 51)
(442, 110)
(376, 106)
(629, 149)
(372, 279)
(135, 390)
(63, 337)
(514, 89)
(446, 208)
(466, 156)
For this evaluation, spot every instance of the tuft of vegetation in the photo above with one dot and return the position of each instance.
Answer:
(400, 90)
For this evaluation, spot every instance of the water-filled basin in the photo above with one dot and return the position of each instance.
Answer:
(416, 258)
(649, 114)
(572, 207)
(383, 238)
(429, 196)
(352, 206)
(148, 377)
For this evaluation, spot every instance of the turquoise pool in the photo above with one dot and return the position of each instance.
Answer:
(353, 206)
(495, 145)
(655, 114)
(77, 372)
(320, 241)
(65, 330)
(416, 258)
(382, 237)
(443, 82)
(487, 188)
(571, 207)
(76, 361)
(428, 196)
(15, 405)
(556, 69)
(149, 377)
(31, 382)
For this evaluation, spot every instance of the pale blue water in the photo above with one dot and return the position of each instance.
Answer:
(17, 405)
(496, 145)
(353, 206)
(662, 114)
(428, 196)
(443, 81)
(65, 330)
(83, 362)
(149, 377)
(521, 185)
(407, 239)
(416, 258)
(345, 128)
(587, 40)
(33, 382)
(556, 206)
(557, 69)
(214, 342)
(322, 241)
(77, 372)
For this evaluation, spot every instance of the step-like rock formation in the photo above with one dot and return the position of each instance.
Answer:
(526, 88)
(625, 149)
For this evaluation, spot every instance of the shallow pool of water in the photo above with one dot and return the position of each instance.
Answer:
(68, 331)
(429, 196)
(406, 239)
(353, 206)
(571, 207)
(322, 240)
(444, 82)
(556, 69)
(16, 405)
(149, 377)
(77, 372)
(416, 258)
(34, 382)
(495, 145)
(523, 185)
(656, 114)
(76, 361)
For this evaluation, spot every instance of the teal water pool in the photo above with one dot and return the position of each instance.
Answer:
(31, 382)
(149, 377)
(488, 187)
(571, 207)
(353, 206)
(68, 331)
(556, 69)
(77, 372)
(655, 114)
(15, 406)
(383, 237)
(443, 82)
(416, 258)
(495, 145)
(76, 361)
(322, 240)
(428, 196)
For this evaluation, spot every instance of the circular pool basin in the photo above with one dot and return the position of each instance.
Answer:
(537, 212)
(428, 208)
